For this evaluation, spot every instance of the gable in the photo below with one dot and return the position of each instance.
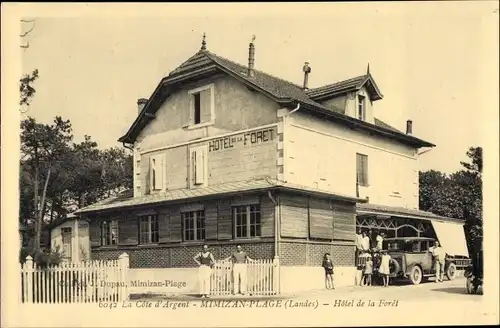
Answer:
(204, 64)
(235, 107)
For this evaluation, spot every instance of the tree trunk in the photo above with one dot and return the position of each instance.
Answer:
(41, 210)
(36, 244)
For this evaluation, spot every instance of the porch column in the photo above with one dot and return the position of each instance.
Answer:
(76, 242)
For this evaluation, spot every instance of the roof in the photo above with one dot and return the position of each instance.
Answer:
(205, 63)
(126, 199)
(408, 238)
(353, 84)
(401, 211)
(59, 221)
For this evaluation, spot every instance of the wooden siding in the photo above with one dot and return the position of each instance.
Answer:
(344, 222)
(218, 220)
(309, 217)
(294, 216)
(267, 209)
(321, 219)
(211, 220)
(225, 220)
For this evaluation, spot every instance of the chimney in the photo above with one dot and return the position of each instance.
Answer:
(251, 58)
(306, 69)
(409, 127)
(140, 104)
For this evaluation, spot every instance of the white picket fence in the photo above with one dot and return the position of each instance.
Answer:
(262, 277)
(84, 282)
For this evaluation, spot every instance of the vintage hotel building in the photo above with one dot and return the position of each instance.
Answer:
(225, 154)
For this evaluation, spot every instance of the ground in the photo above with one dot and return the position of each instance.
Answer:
(403, 304)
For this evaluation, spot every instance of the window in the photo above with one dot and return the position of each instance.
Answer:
(246, 221)
(109, 233)
(193, 225)
(198, 166)
(197, 108)
(202, 103)
(66, 241)
(148, 229)
(156, 172)
(361, 108)
(362, 170)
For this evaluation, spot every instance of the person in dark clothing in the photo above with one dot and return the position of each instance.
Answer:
(328, 266)
(205, 261)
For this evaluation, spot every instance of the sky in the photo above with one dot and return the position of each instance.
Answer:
(428, 59)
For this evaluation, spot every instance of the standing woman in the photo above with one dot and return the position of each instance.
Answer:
(205, 261)
(328, 265)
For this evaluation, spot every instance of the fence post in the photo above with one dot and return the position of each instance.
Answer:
(29, 278)
(124, 266)
(276, 274)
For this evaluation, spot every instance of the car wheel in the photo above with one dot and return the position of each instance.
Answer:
(451, 273)
(415, 275)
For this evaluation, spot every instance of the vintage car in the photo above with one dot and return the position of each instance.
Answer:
(411, 259)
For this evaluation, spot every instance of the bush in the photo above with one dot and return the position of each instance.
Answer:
(42, 258)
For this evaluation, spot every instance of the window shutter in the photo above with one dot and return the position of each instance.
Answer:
(145, 174)
(128, 231)
(193, 167)
(200, 166)
(163, 222)
(365, 170)
(225, 220)
(159, 168)
(206, 105)
(175, 225)
(95, 233)
(186, 113)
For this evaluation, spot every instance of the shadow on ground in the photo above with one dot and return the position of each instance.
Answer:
(455, 290)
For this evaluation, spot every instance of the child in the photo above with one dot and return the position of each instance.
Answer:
(384, 269)
(368, 271)
(328, 265)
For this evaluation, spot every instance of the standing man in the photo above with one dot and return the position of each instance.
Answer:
(205, 261)
(439, 256)
(239, 259)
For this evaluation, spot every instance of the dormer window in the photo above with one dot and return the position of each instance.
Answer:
(361, 108)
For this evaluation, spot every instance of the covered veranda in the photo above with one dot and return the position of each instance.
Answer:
(403, 222)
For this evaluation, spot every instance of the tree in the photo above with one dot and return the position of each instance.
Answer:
(42, 146)
(458, 195)
(26, 82)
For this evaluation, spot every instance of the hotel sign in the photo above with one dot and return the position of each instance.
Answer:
(242, 140)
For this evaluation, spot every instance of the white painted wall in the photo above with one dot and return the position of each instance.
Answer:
(80, 242)
(322, 155)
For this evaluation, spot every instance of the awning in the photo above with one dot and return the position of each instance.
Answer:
(451, 236)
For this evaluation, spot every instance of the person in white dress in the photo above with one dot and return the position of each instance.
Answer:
(384, 269)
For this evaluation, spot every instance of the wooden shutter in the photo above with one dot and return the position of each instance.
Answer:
(321, 218)
(365, 169)
(199, 166)
(206, 105)
(95, 233)
(211, 220)
(128, 230)
(145, 174)
(175, 225)
(225, 220)
(294, 213)
(159, 164)
(344, 222)
(267, 209)
(163, 226)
